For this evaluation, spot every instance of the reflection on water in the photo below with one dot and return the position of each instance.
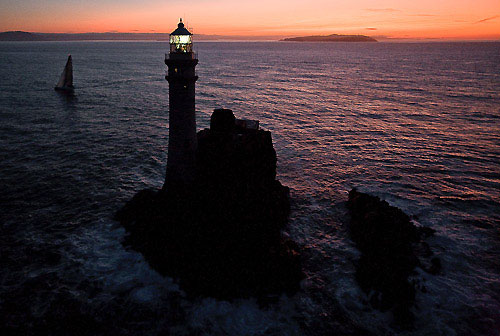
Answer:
(417, 124)
(69, 99)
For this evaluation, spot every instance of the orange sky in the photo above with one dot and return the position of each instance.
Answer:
(449, 19)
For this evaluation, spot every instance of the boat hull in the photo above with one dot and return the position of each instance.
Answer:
(64, 88)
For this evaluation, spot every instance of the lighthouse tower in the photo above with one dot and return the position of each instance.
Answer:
(181, 77)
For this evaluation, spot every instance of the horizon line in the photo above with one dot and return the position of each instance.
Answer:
(270, 37)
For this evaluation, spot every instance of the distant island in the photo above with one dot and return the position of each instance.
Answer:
(20, 36)
(331, 38)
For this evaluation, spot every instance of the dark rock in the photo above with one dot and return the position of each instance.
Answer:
(392, 246)
(222, 120)
(222, 236)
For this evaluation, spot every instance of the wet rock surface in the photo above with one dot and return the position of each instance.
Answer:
(392, 247)
(221, 237)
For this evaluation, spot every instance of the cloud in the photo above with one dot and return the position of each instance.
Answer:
(370, 28)
(488, 19)
(383, 10)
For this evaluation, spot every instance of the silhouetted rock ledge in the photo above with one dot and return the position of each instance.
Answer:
(392, 246)
(222, 236)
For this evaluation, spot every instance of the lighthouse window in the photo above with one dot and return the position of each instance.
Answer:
(180, 39)
(181, 43)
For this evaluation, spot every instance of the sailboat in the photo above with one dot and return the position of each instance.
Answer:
(66, 81)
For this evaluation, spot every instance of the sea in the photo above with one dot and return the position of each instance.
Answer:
(417, 124)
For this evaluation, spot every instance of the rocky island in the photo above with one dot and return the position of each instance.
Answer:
(331, 38)
(391, 248)
(222, 236)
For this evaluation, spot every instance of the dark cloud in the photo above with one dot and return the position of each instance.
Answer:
(488, 19)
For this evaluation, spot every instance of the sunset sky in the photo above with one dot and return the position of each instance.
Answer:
(420, 19)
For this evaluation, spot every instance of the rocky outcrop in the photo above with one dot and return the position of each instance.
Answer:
(221, 236)
(392, 246)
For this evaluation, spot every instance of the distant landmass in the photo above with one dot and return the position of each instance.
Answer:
(25, 36)
(332, 38)
(117, 36)
(20, 36)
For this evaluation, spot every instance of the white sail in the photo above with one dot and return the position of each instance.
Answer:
(66, 79)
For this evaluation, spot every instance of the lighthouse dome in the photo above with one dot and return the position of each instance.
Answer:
(181, 30)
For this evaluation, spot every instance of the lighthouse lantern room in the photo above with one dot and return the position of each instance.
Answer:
(181, 40)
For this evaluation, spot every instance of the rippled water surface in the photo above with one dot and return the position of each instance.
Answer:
(417, 124)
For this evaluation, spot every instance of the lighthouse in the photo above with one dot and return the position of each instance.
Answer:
(181, 62)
